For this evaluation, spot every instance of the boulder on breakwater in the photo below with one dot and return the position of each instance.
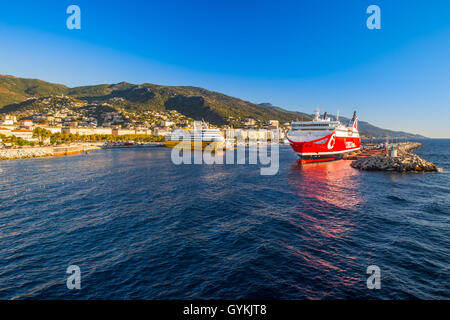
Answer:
(404, 162)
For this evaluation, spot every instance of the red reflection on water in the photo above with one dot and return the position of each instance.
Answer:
(335, 183)
(325, 189)
(329, 195)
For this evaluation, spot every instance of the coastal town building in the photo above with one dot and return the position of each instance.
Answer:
(259, 135)
(162, 132)
(255, 134)
(87, 131)
(167, 123)
(274, 123)
(143, 131)
(250, 122)
(8, 120)
(122, 132)
(240, 134)
(53, 129)
(5, 131)
(23, 134)
(26, 124)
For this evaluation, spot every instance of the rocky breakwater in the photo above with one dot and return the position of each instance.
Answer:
(405, 161)
(23, 153)
(48, 151)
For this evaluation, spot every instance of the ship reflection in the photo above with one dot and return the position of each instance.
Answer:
(330, 195)
(334, 183)
(326, 216)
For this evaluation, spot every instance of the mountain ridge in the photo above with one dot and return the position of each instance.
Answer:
(17, 94)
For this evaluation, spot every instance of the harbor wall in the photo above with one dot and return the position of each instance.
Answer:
(38, 152)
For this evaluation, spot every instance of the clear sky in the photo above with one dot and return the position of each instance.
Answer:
(299, 55)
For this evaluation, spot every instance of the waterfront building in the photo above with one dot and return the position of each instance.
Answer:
(143, 131)
(122, 132)
(53, 129)
(162, 132)
(240, 134)
(23, 134)
(260, 135)
(88, 131)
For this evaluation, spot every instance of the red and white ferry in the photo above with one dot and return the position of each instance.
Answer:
(323, 139)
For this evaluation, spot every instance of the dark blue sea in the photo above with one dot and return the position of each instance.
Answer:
(140, 227)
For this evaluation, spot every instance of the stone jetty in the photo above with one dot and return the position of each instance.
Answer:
(24, 153)
(405, 161)
(39, 152)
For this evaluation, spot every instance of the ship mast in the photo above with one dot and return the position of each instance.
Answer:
(317, 114)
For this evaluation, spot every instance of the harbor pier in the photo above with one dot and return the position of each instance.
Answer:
(394, 157)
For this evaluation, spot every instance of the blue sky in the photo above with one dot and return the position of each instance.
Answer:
(299, 55)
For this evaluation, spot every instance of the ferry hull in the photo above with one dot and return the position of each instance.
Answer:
(194, 145)
(328, 148)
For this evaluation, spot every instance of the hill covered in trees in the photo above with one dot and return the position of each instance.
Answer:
(18, 95)
(197, 103)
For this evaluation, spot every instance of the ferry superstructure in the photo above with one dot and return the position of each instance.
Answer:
(323, 139)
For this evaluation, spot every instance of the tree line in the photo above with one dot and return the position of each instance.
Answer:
(64, 137)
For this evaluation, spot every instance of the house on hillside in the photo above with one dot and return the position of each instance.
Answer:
(5, 131)
(8, 120)
(26, 124)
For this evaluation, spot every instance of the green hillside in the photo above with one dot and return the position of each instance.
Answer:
(38, 105)
(193, 102)
(25, 96)
(14, 90)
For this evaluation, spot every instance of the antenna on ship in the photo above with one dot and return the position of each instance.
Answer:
(337, 115)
